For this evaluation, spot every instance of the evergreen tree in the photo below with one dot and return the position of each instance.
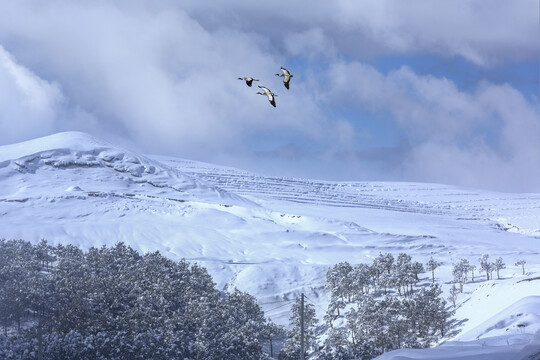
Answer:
(382, 264)
(273, 332)
(361, 279)
(292, 348)
(339, 280)
(431, 266)
(113, 303)
(337, 346)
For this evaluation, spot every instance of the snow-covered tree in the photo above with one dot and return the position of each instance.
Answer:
(361, 279)
(334, 310)
(453, 294)
(381, 321)
(243, 327)
(274, 332)
(472, 268)
(337, 346)
(292, 348)
(521, 262)
(432, 315)
(431, 266)
(417, 268)
(339, 280)
(486, 266)
(406, 273)
(382, 265)
(114, 303)
(499, 265)
(460, 272)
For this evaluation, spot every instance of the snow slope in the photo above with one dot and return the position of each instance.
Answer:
(274, 237)
(512, 333)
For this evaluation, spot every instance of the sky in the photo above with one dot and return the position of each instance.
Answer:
(421, 90)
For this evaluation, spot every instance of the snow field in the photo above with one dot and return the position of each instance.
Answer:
(275, 237)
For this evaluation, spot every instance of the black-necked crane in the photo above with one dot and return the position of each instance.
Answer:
(286, 77)
(271, 96)
(248, 80)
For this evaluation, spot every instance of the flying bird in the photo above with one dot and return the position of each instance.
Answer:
(286, 77)
(248, 80)
(271, 96)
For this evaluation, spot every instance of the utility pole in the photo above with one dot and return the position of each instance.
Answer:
(302, 328)
(40, 337)
(271, 336)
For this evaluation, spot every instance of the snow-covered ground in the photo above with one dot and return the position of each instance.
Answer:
(276, 237)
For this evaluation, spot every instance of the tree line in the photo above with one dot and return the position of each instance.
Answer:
(378, 307)
(113, 303)
(373, 308)
(462, 268)
(60, 302)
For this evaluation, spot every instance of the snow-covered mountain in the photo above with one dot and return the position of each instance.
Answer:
(274, 237)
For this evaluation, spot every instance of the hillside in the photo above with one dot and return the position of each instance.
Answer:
(273, 237)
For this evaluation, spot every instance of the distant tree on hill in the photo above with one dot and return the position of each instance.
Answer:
(382, 267)
(486, 266)
(431, 266)
(453, 294)
(460, 272)
(417, 268)
(499, 265)
(406, 273)
(521, 262)
(472, 268)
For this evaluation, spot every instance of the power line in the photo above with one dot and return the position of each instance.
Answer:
(275, 302)
(279, 306)
(313, 302)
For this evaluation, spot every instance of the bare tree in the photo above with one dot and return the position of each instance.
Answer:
(499, 265)
(521, 262)
(453, 294)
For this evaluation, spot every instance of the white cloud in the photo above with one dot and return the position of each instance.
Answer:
(29, 105)
(159, 75)
(486, 138)
(311, 43)
(162, 75)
